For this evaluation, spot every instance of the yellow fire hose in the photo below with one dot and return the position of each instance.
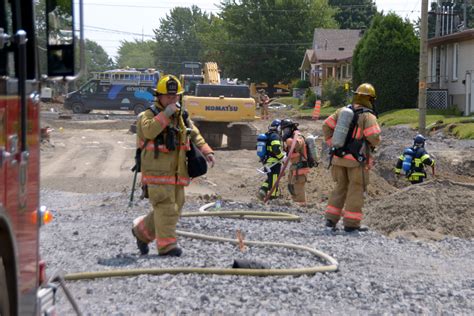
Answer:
(332, 265)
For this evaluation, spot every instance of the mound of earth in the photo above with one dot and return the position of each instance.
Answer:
(429, 210)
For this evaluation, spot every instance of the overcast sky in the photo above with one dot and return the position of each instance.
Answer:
(110, 21)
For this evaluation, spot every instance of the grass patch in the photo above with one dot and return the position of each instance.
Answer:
(464, 131)
(460, 126)
(288, 101)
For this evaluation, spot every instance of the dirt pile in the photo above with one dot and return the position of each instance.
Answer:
(429, 210)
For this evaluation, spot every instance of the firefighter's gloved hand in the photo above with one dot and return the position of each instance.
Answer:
(171, 109)
(211, 160)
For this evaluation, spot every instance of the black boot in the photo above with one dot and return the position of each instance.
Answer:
(353, 229)
(142, 246)
(175, 252)
(330, 224)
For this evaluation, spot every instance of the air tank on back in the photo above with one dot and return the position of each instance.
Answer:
(408, 154)
(310, 141)
(262, 146)
(342, 127)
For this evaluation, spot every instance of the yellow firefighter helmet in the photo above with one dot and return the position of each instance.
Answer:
(169, 84)
(364, 95)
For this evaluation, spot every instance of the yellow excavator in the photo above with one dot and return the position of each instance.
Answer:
(219, 109)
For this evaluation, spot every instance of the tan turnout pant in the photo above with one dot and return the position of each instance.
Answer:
(298, 184)
(160, 224)
(347, 198)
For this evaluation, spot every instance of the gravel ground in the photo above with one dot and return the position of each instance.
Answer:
(377, 275)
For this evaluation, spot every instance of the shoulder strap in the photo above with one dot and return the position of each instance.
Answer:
(154, 109)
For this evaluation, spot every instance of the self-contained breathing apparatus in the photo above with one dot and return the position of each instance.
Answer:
(343, 142)
(311, 150)
(407, 163)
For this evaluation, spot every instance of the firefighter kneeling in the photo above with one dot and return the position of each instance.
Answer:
(164, 132)
(413, 160)
(351, 133)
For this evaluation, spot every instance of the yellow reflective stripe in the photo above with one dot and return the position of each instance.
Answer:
(424, 157)
(275, 142)
(401, 157)
(418, 162)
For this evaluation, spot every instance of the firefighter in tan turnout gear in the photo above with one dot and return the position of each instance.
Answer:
(352, 133)
(299, 167)
(163, 133)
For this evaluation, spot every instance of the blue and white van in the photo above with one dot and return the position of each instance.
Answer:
(127, 90)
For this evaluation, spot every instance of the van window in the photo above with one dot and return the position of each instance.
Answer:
(90, 87)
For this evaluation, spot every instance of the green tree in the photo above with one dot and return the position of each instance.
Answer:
(138, 54)
(178, 38)
(387, 57)
(354, 14)
(96, 58)
(266, 39)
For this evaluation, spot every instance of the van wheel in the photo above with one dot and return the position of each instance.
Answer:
(4, 299)
(77, 108)
(139, 108)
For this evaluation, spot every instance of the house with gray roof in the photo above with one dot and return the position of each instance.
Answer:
(329, 57)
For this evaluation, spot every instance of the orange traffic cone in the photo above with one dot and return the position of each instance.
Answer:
(317, 110)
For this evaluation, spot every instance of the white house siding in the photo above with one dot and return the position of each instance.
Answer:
(444, 78)
(465, 63)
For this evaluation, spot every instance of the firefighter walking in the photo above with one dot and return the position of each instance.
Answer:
(413, 161)
(351, 157)
(272, 159)
(163, 133)
(299, 167)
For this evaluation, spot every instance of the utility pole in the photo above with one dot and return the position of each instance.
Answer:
(423, 67)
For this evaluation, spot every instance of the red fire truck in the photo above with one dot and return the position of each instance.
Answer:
(23, 288)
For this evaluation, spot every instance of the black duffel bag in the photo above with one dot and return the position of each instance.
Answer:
(197, 164)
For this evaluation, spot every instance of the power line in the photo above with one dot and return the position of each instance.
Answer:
(102, 29)
(217, 9)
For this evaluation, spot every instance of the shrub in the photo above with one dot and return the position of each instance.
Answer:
(302, 84)
(333, 91)
(309, 99)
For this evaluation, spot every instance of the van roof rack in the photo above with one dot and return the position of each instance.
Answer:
(132, 76)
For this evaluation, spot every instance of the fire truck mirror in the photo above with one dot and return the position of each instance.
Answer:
(60, 37)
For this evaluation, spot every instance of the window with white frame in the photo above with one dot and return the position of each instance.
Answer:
(349, 70)
(455, 60)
